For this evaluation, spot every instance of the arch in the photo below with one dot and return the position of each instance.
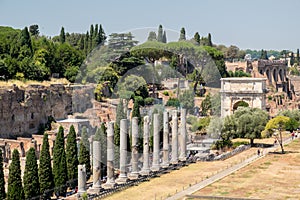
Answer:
(240, 104)
(268, 75)
(275, 78)
(281, 75)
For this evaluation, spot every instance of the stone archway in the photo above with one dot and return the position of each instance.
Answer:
(250, 91)
(240, 104)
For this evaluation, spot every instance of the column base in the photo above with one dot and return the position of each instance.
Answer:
(133, 176)
(122, 179)
(109, 184)
(155, 168)
(94, 190)
(165, 165)
(174, 162)
(145, 172)
(182, 159)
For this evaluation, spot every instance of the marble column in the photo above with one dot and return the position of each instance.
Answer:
(156, 128)
(81, 179)
(166, 140)
(182, 156)
(123, 151)
(174, 159)
(96, 167)
(146, 168)
(91, 139)
(134, 149)
(110, 182)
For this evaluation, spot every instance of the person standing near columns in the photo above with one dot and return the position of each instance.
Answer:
(134, 149)
(174, 159)
(146, 168)
(156, 128)
(166, 163)
(110, 183)
(182, 156)
(123, 151)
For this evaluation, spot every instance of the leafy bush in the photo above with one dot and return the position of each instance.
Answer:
(236, 144)
(139, 100)
(149, 101)
(200, 124)
(166, 93)
(173, 102)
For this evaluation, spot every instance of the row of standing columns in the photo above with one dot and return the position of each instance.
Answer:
(178, 152)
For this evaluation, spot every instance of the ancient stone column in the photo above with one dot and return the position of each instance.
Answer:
(166, 140)
(134, 149)
(182, 156)
(110, 182)
(96, 167)
(81, 179)
(174, 159)
(123, 151)
(91, 139)
(155, 162)
(146, 168)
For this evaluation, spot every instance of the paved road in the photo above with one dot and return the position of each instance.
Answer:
(222, 174)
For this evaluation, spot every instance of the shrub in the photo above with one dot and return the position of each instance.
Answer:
(174, 102)
(166, 93)
(236, 144)
(149, 101)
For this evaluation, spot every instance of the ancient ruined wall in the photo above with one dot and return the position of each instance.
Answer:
(22, 110)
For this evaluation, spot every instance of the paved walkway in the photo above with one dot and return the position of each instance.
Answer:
(223, 173)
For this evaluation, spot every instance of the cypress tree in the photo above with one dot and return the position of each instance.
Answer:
(152, 36)
(86, 43)
(31, 177)
(136, 111)
(120, 115)
(91, 38)
(182, 34)
(209, 40)
(2, 181)
(62, 36)
(71, 156)
(25, 40)
(15, 188)
(292, 61)
(164, 37)
(298, 56)
(197, 38)
(84, 158)
(101, 35)
(160, 34)
(45, 170)
(59, 164)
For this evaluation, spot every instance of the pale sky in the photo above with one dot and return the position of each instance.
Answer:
(254, 24)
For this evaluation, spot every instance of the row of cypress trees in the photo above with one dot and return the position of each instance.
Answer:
(41, 180)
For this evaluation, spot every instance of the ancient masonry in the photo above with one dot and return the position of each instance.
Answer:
(236, 90)
(131, 170)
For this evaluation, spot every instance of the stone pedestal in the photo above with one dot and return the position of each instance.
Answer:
(134, 149)
(182, 156)
(81, 179)
(146, 168)
(123, 151)
(96, 167)
(156, 128)
(174, 159)
(166, 162)
(110, 182)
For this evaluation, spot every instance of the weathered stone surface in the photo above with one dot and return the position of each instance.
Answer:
(81, 179)
(146, 168)
(166, 140)
(96, 166)
(249, 90)
(174, 158)
(156, 150)
(123, 151)
(134, 149)
(183, 135)
(110, 182)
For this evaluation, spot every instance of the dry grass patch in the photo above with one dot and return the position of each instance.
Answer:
(275, 176)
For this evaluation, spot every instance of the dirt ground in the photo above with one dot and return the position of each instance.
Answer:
(276, 176)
